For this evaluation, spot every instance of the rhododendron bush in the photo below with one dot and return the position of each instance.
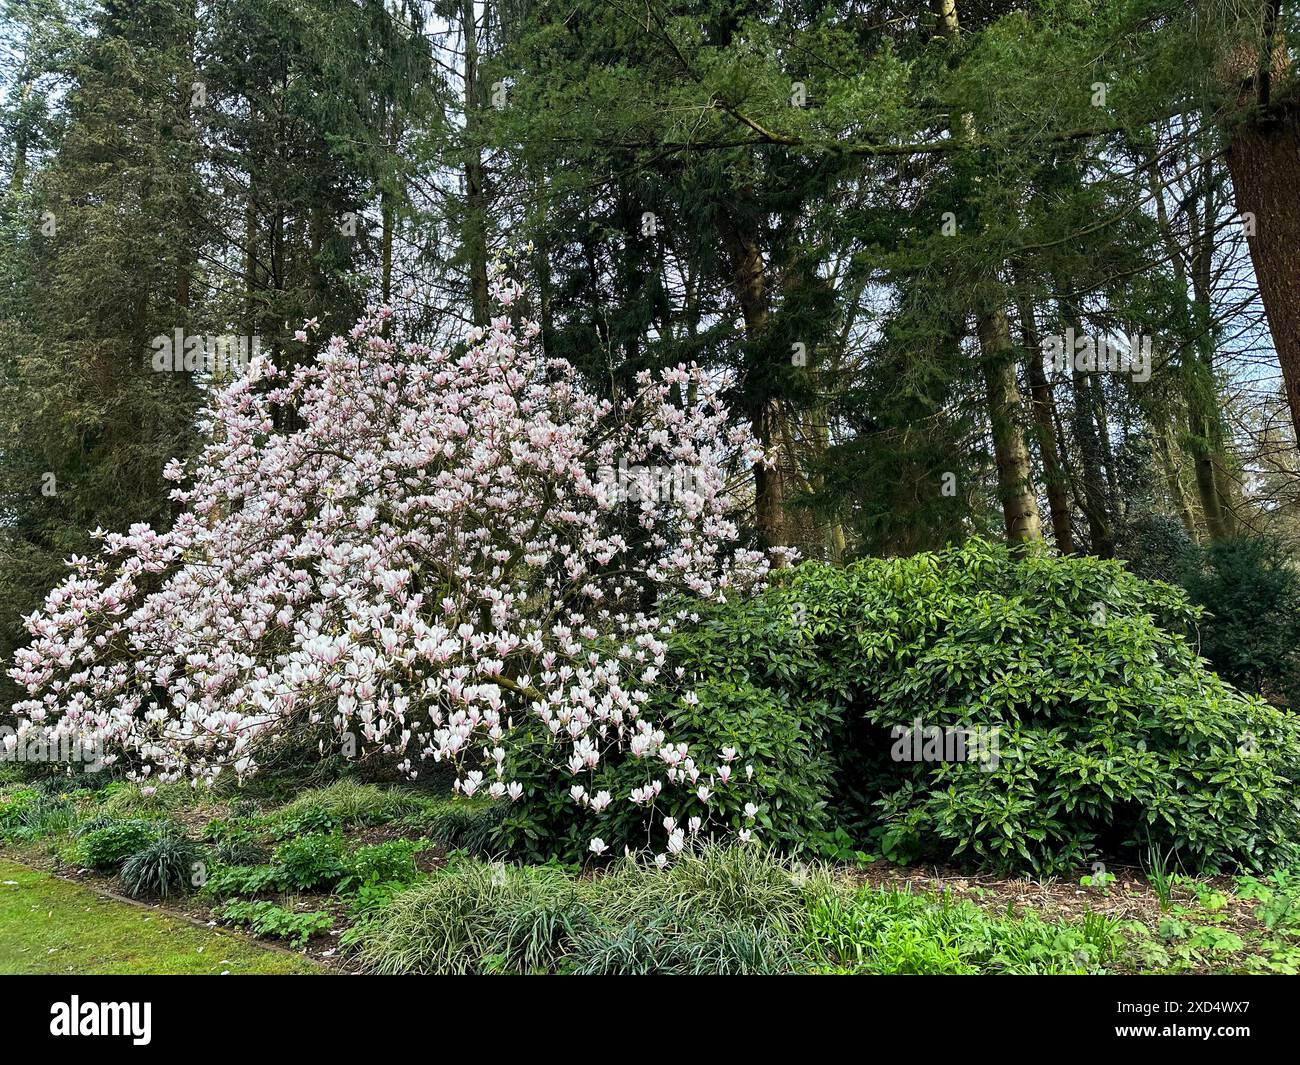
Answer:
(435, 561)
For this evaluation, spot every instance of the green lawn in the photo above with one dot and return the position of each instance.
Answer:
(48, 926)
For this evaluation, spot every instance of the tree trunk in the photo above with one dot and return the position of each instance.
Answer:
(765, 413)
(1174, 481)
(1041, 404)
(1015, 490)
(1264, 161)
(475, 235)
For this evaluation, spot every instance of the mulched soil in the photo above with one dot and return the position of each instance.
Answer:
(1129, 897)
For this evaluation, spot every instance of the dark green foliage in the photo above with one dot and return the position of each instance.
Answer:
(107, 848)
(463, 824)
(1112, 736)
(1251, 591)
(240, 848)
(94, 824)
(311, 861)
(164, 866)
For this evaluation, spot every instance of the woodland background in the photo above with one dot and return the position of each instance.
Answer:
(864, 216)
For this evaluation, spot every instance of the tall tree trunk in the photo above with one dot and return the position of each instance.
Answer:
(1101, 539)
(765, 414)
(1173, 481)
(475, 234)
(997, 354)
(1015, 489)
(1204, 437)
(1041, 404)
(1264, 161)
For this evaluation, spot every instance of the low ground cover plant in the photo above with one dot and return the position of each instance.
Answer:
(268, 919)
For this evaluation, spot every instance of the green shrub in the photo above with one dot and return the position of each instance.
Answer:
(224, 881)
(268, 919)
(710, 886)
(236, 841)
(1112, 736)
(311, 861)
(93, 823)
(459, 823)
(125, 800)
(240, 848)
(392, 862)
(537, 935)
(13, 804)
(727, 910)
(33, 813)
(106, 849)
(164, 866)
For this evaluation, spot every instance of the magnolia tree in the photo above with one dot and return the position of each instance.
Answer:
(440, 553)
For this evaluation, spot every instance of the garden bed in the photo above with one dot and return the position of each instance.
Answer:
(393, 896)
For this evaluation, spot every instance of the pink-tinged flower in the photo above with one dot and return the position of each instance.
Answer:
(703, 793)
(751, 811)
(598, 846)
(515, 790)
(676, 842)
